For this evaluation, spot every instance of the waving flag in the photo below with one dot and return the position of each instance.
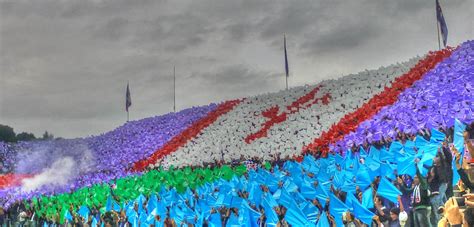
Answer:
(272, 217)
(337, 208)
(442, 23)
(368, 198)
(323, 220)
(362, 213)
(128, 98)
(286, 57)
(458, 142)
(387, 190)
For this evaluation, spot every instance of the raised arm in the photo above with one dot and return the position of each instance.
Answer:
(468, 143)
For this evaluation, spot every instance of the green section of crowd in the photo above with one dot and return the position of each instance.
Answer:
(130, 188)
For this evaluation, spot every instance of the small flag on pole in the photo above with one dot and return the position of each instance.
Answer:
(128, 99)
(442, 23)
(286, 57)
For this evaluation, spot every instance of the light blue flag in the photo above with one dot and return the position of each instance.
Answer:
(396, 147)
(285, 199)
(152, 203)
(272, 217)
(373, 167)
(270, 199)
(143, 220)
(425, 162)
(177, 214)
(84, 212)
(255, 194)
(362, 213)
(94, 222)
(160, 223)
(132, 217)
(248, 216)
(337, 208)
(409, 147)
(374, 153)
(338, 179)
(142, 198)
(387, 156)
(431, 149)
(271, 182)
(236, 201)
(458, 139)
(290, 186)
(310, 165)
(233, 221)
(68, 215)
(368, 198)
(215, 220)
(323, 220)
(151, 217)
(321, 194)
(308, 191)
(420, 141)
(224, 199)
(363, 179)
(437, 136)
(311, 212)
(387, 190)
(387, 170)
(349, 186)
(295, 217)
(350, 200)
(407, 166)
(339, 160)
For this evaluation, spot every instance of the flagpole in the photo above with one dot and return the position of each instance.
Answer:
(174, 88)
(286, 82)
(437, 23)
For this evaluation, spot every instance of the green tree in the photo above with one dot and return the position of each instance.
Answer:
(47, 136)
(24, 136)
(7, 134)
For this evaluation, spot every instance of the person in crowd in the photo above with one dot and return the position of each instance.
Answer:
(381, 211)
(462, 174)
(350, 221)
(2, 216)
(437, 181)
(420, 200)
(453, 217)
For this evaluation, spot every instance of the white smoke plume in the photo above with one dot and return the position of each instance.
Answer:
(62, 170)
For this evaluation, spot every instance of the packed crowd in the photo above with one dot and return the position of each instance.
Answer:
(395, 183)
(394, 163)
(99, 158)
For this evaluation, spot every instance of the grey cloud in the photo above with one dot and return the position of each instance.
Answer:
(64, 64)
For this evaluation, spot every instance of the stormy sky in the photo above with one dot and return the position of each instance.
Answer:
(64, 64)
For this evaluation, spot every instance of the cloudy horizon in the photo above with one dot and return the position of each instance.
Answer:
(65, 63)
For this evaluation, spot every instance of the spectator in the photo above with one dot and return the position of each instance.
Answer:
(420, 200)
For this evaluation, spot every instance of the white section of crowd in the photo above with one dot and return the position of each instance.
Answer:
(224, 139)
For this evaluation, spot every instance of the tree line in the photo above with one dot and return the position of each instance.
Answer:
(7, 134)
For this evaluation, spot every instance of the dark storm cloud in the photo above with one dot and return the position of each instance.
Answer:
(65, 63)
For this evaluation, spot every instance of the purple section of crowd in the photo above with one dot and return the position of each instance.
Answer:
(98, 158)
(443, 94)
